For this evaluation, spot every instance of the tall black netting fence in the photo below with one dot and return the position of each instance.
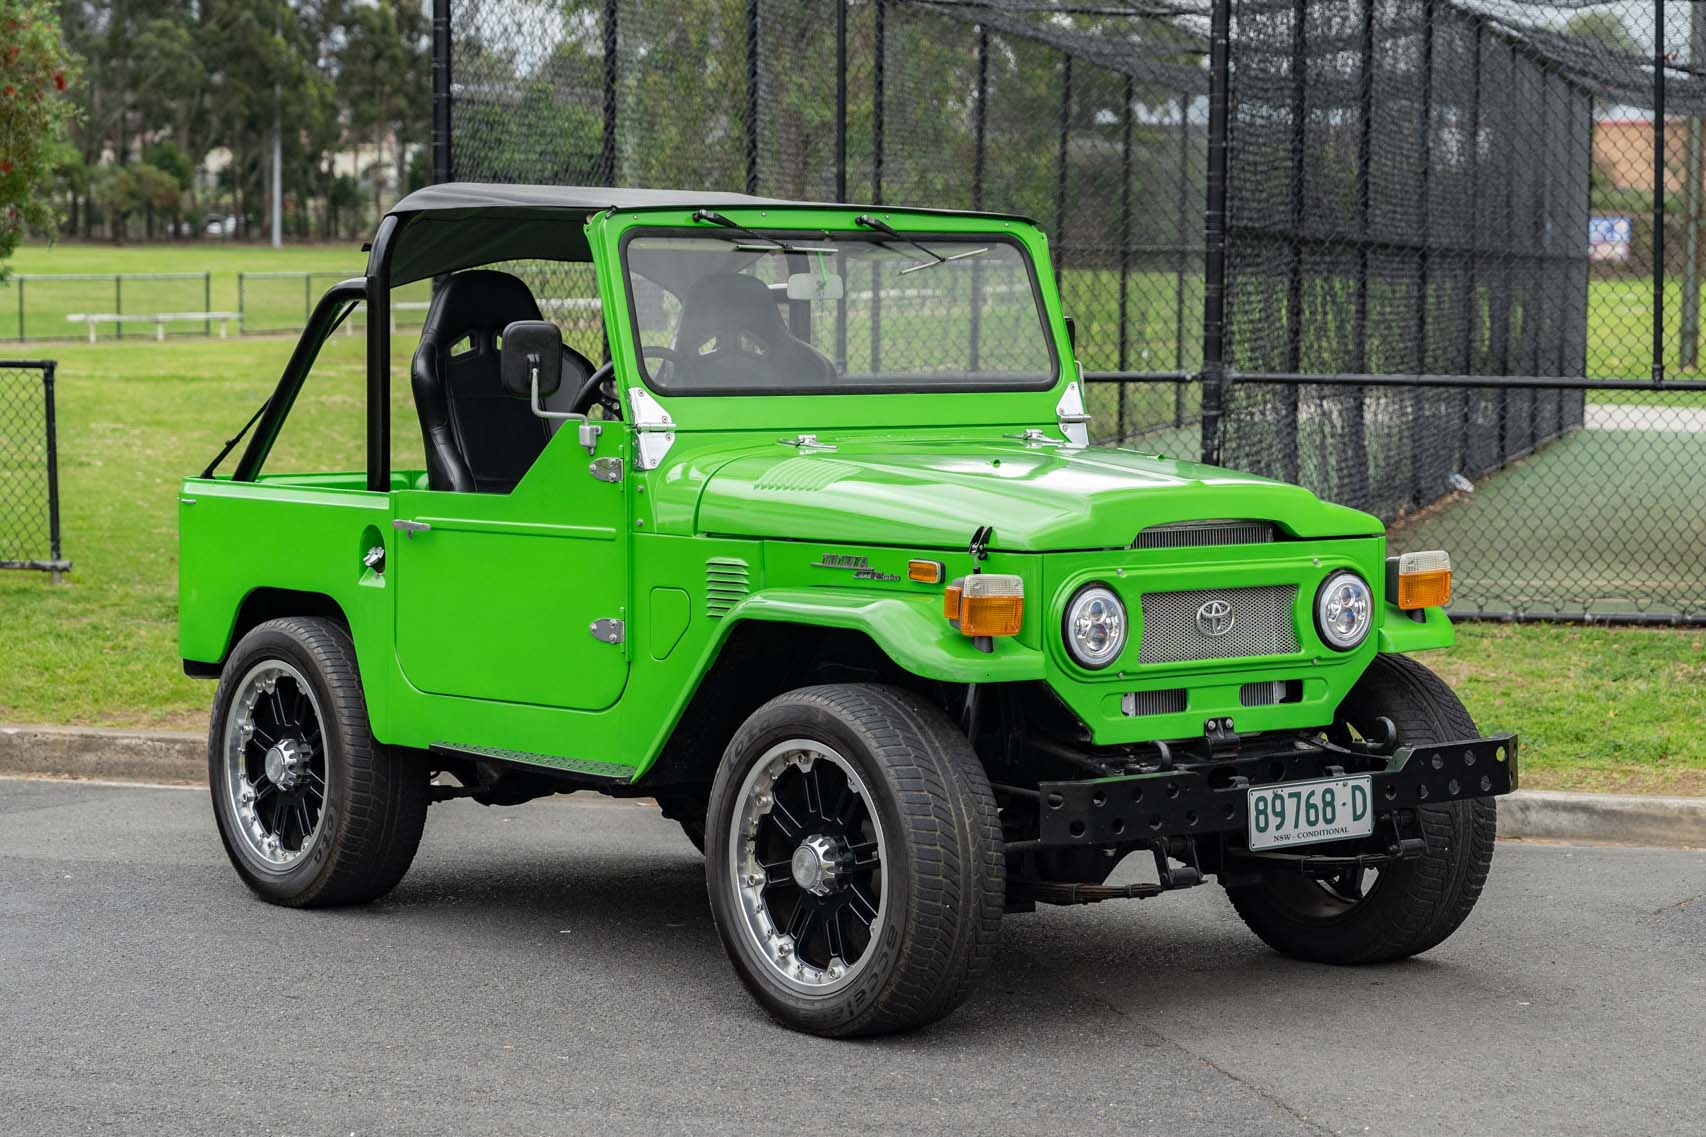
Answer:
(1091, 120)
(29, 469)
(1458, 189)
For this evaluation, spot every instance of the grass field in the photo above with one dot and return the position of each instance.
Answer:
(1598, 708)
(269, 304)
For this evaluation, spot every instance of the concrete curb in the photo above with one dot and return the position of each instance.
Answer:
(118, 755)
(1624, 819)
(159, 756)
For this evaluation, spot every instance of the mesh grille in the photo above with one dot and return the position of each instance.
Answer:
(727, 582)
(1186, 534)
(1261, 624)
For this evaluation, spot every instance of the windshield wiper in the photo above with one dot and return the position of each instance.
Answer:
(936, 258)
(770, 244)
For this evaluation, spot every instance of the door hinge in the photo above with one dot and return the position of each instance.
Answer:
(606, 469)
(607, 631)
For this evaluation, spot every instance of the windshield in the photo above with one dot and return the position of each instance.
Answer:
(740, 312)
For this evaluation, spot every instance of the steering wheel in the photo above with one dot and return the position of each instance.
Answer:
(668, 354)
(599, 389)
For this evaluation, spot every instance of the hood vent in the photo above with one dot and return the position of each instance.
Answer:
(1189, 534)
(727, 583)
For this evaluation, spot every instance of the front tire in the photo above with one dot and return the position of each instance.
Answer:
(854, 860)
(1411, 906)
(313, 811)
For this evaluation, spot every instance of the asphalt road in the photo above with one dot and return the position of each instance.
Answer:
(552, 969)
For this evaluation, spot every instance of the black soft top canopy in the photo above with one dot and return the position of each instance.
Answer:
(457, 225)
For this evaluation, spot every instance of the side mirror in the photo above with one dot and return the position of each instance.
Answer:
(530, 363)
(530, 366)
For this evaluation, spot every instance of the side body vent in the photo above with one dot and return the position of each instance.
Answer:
(728, 580)
(1187, 534)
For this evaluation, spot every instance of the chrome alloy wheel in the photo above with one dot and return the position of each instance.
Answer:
(806, 856)
(275, 765)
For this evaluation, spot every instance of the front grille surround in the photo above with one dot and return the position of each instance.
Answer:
(1264, 623)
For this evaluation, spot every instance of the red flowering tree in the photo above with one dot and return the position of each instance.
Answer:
(35, 70)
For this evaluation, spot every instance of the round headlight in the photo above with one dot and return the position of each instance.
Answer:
(1344, 610)
(1095, 626)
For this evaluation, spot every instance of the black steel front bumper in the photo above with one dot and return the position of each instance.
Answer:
(1210, 796)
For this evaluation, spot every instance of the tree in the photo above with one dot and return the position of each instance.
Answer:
(35, 71)
(1607, 29)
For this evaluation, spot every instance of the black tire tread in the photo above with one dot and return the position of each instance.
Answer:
(958, 889)
(385, 799)
(1435, 893)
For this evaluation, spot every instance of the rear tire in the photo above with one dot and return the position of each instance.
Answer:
(1413, 905)
(854, 860)
(313, 811)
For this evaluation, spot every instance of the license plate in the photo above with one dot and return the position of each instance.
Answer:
(1303, 813)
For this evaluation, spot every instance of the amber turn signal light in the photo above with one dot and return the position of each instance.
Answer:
(924, 572)
(987, 604)
(1420, 580)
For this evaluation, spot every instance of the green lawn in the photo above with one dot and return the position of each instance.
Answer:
(270, 305)
(1598, 707)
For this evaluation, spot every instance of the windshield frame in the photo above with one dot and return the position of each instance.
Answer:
(805, 235)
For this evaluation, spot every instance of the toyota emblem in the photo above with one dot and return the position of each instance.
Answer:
(1214, 617)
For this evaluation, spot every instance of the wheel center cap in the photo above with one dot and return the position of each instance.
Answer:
(285, 762)
(816, 865)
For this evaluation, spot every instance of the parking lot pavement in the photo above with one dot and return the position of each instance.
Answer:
(553, 969)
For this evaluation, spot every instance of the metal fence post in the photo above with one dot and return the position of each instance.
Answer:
(752, 96)
(207, 302)
(1180, 263)
(47, 376)
(1659, 192)
(1289, 393)
(118, 305)
(980, 122)
(1127, 96)
(1214, 229)
(1060, 167)
(1472, 262)
(877, 95)
(441, 106)
(20, 309)
(840, 100)
(1356, 432)
(1689, 355)
(607, 155)
(877, 50)
(1421, 441)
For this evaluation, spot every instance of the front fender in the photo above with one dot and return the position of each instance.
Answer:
(909, 629)
(1399, 633)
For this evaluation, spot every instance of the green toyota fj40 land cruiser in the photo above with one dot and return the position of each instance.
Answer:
(821, 560)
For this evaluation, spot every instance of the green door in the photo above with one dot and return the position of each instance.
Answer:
(497, 593)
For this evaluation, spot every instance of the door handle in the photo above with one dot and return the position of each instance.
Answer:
(410, 528)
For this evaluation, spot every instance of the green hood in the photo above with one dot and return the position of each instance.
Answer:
(1037, 497)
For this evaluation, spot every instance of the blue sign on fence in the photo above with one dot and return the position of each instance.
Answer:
(1608, 238)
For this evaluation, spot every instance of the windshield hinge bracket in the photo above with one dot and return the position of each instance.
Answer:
(606, 469)
(654, 430)
(607, 631)
(1074, 423)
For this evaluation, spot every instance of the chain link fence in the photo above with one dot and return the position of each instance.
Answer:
(29, 469)
(1340, 242)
